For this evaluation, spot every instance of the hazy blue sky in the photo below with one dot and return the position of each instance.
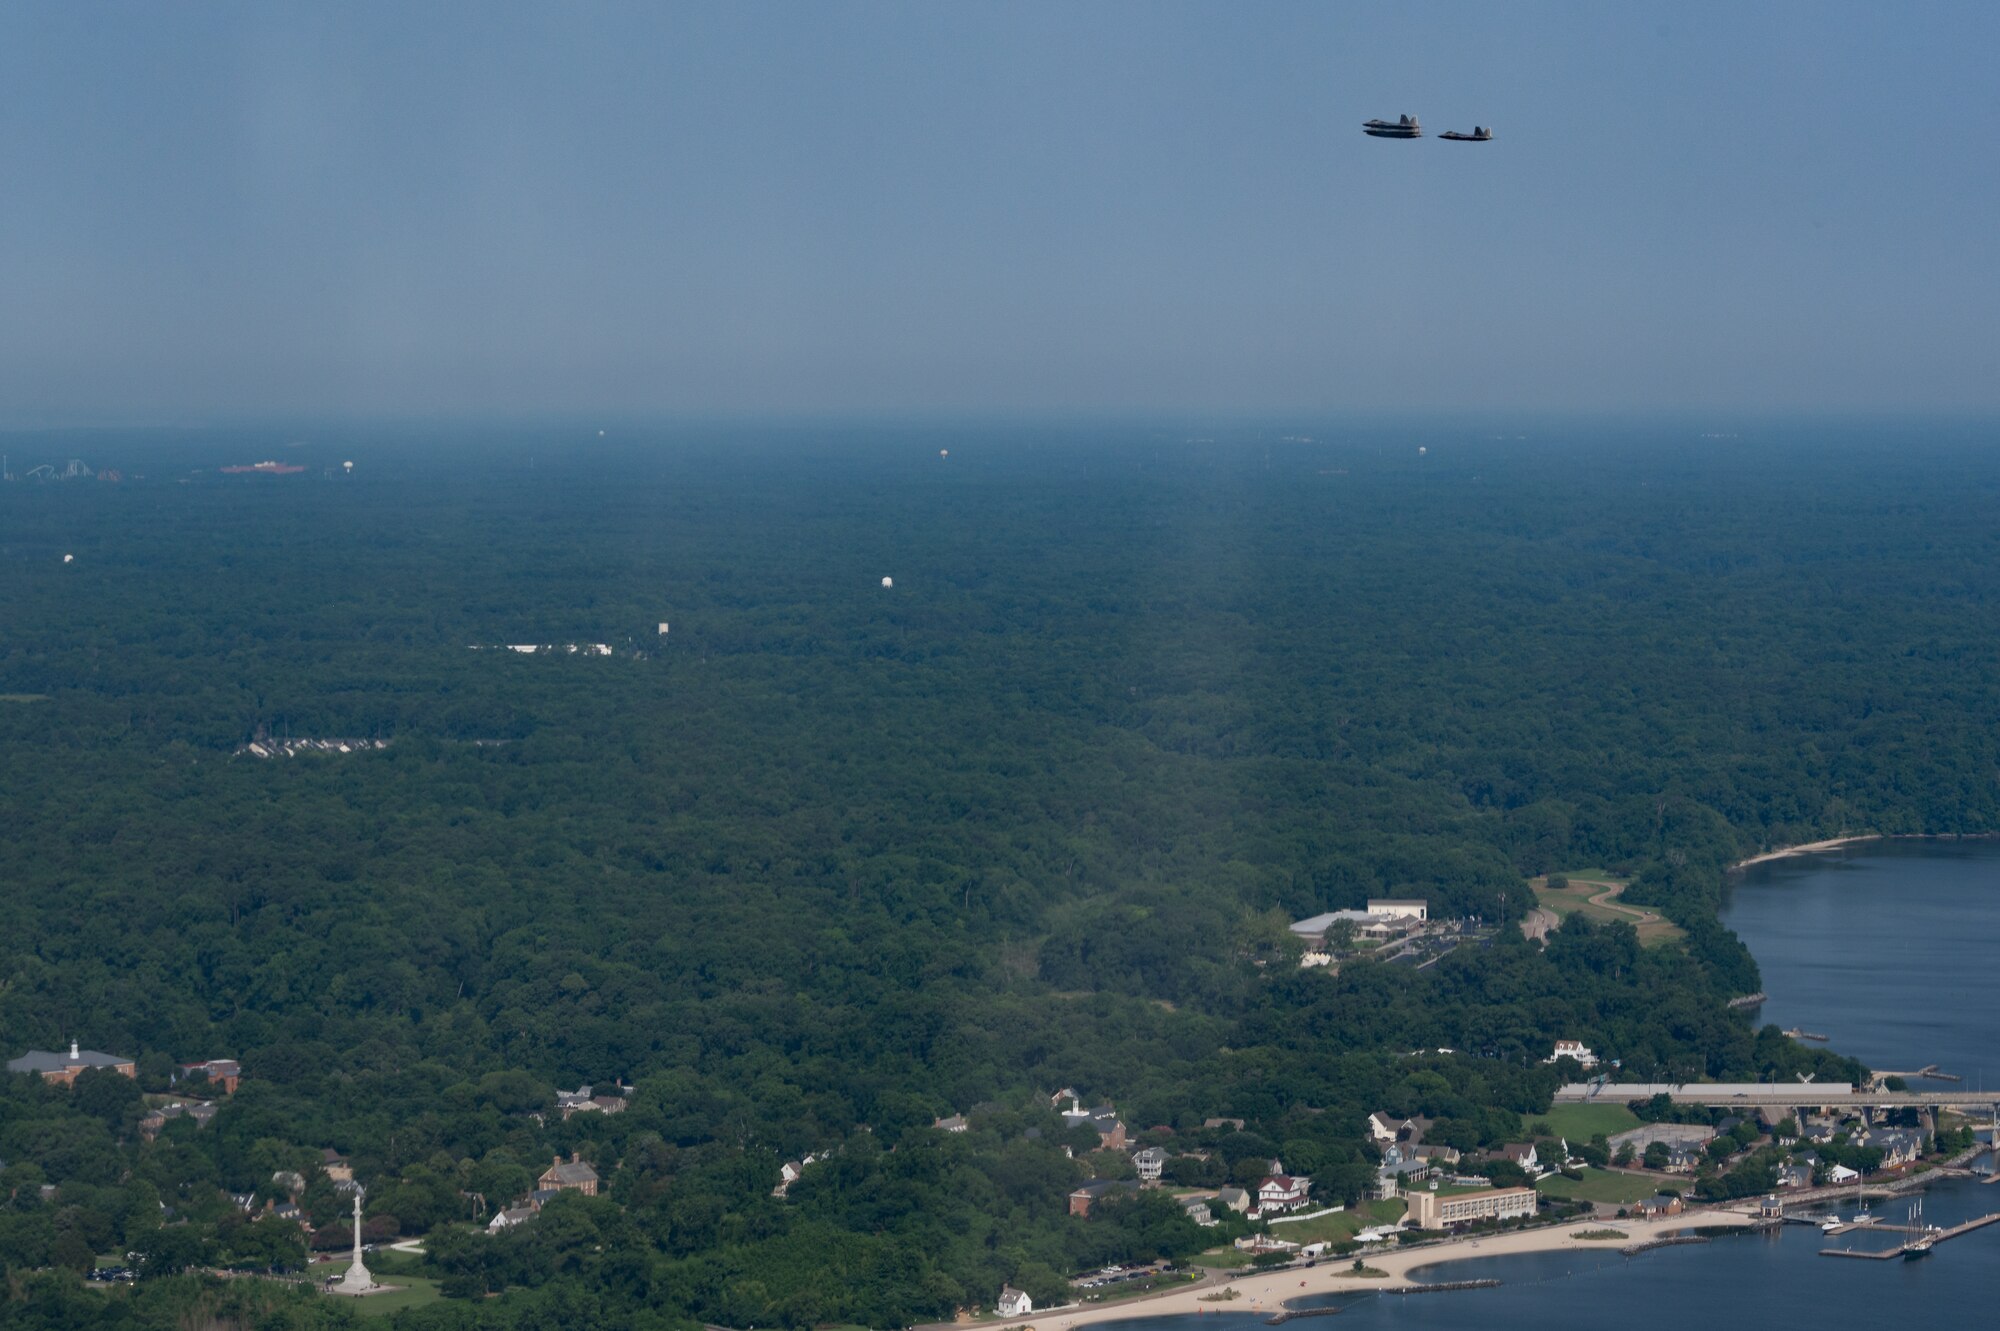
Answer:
(214, 210)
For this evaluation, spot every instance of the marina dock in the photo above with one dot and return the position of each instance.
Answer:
(1888, 1254)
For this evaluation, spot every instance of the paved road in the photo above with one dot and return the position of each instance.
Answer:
(1537, 923)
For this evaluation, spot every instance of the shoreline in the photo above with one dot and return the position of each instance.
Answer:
(1807, 848)
(1859, 838)
(1268, 1293)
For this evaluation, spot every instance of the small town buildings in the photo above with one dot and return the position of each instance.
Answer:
(509, 1218)
(953, 1123)
(1575, 1049)
(1013, 1303)
(1258, 1244)
(1392, 1179)
(1430, 1210)
(63, 1069)
(1663, 1204)
(1522, 1154)
(1684, 1159)
(1197, 1210)
(1235, 1199)
(1149, 1162)
(336, 1166)
(1235, 1123)
(1842, 1174)
(586, 1099)
(199, 1111)
(221, 1073)
(1110, 1131)
(569, 1175)
(1282, 1192)
(1087, 1196)
(1898, 1147)
(1385, 1128)
(788, 1174)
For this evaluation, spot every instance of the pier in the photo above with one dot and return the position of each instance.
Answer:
(1929, 1073)
(1934, 1236)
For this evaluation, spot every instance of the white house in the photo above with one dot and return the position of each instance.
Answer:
(1013, 1303)
(509, 1218)
(1282, 1192)
(1149, 1162)
(1575, 1049)
(1841, 1174)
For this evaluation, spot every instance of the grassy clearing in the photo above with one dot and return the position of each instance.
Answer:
(1326, 1229)
(1579, 1123)
(1575, 899)
(1600, 1185)
(411, 1292)
(1343, 1226)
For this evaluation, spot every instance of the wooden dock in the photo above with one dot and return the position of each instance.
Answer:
(1936, 1236)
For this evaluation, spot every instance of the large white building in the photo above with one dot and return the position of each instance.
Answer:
(1406, 908)
(1429, 1210)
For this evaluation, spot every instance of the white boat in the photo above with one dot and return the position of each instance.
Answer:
(1862, 1218)
(1830, 1224)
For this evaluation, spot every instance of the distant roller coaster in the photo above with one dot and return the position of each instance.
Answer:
(74, 470)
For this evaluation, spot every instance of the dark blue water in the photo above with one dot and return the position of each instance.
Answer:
(1894, 951)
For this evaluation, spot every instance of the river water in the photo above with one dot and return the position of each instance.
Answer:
(1893, 950)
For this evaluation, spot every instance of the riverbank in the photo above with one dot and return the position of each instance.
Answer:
(1808, 848)
(1268, 1292)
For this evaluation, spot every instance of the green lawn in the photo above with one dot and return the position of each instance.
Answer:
(1576, 899)
(1579, 1123)
(1600, 1185)
(1326, 1229)
(412, 1291)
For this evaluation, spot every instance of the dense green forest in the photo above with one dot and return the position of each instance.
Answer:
(832, 859)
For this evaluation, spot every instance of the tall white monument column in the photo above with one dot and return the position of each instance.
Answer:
(357, 1280)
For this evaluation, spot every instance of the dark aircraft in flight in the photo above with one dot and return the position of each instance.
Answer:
(1480, 134)
(1406, 128)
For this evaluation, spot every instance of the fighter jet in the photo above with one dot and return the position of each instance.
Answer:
(1405, 128)
(1480, 134)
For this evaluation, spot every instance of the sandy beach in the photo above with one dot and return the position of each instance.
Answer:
(1267, 1293)
(1809, 848)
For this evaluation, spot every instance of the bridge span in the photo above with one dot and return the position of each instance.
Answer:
(1773, 1095)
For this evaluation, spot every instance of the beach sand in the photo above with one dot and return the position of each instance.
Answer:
(1267, 1293)
(1809, 848)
